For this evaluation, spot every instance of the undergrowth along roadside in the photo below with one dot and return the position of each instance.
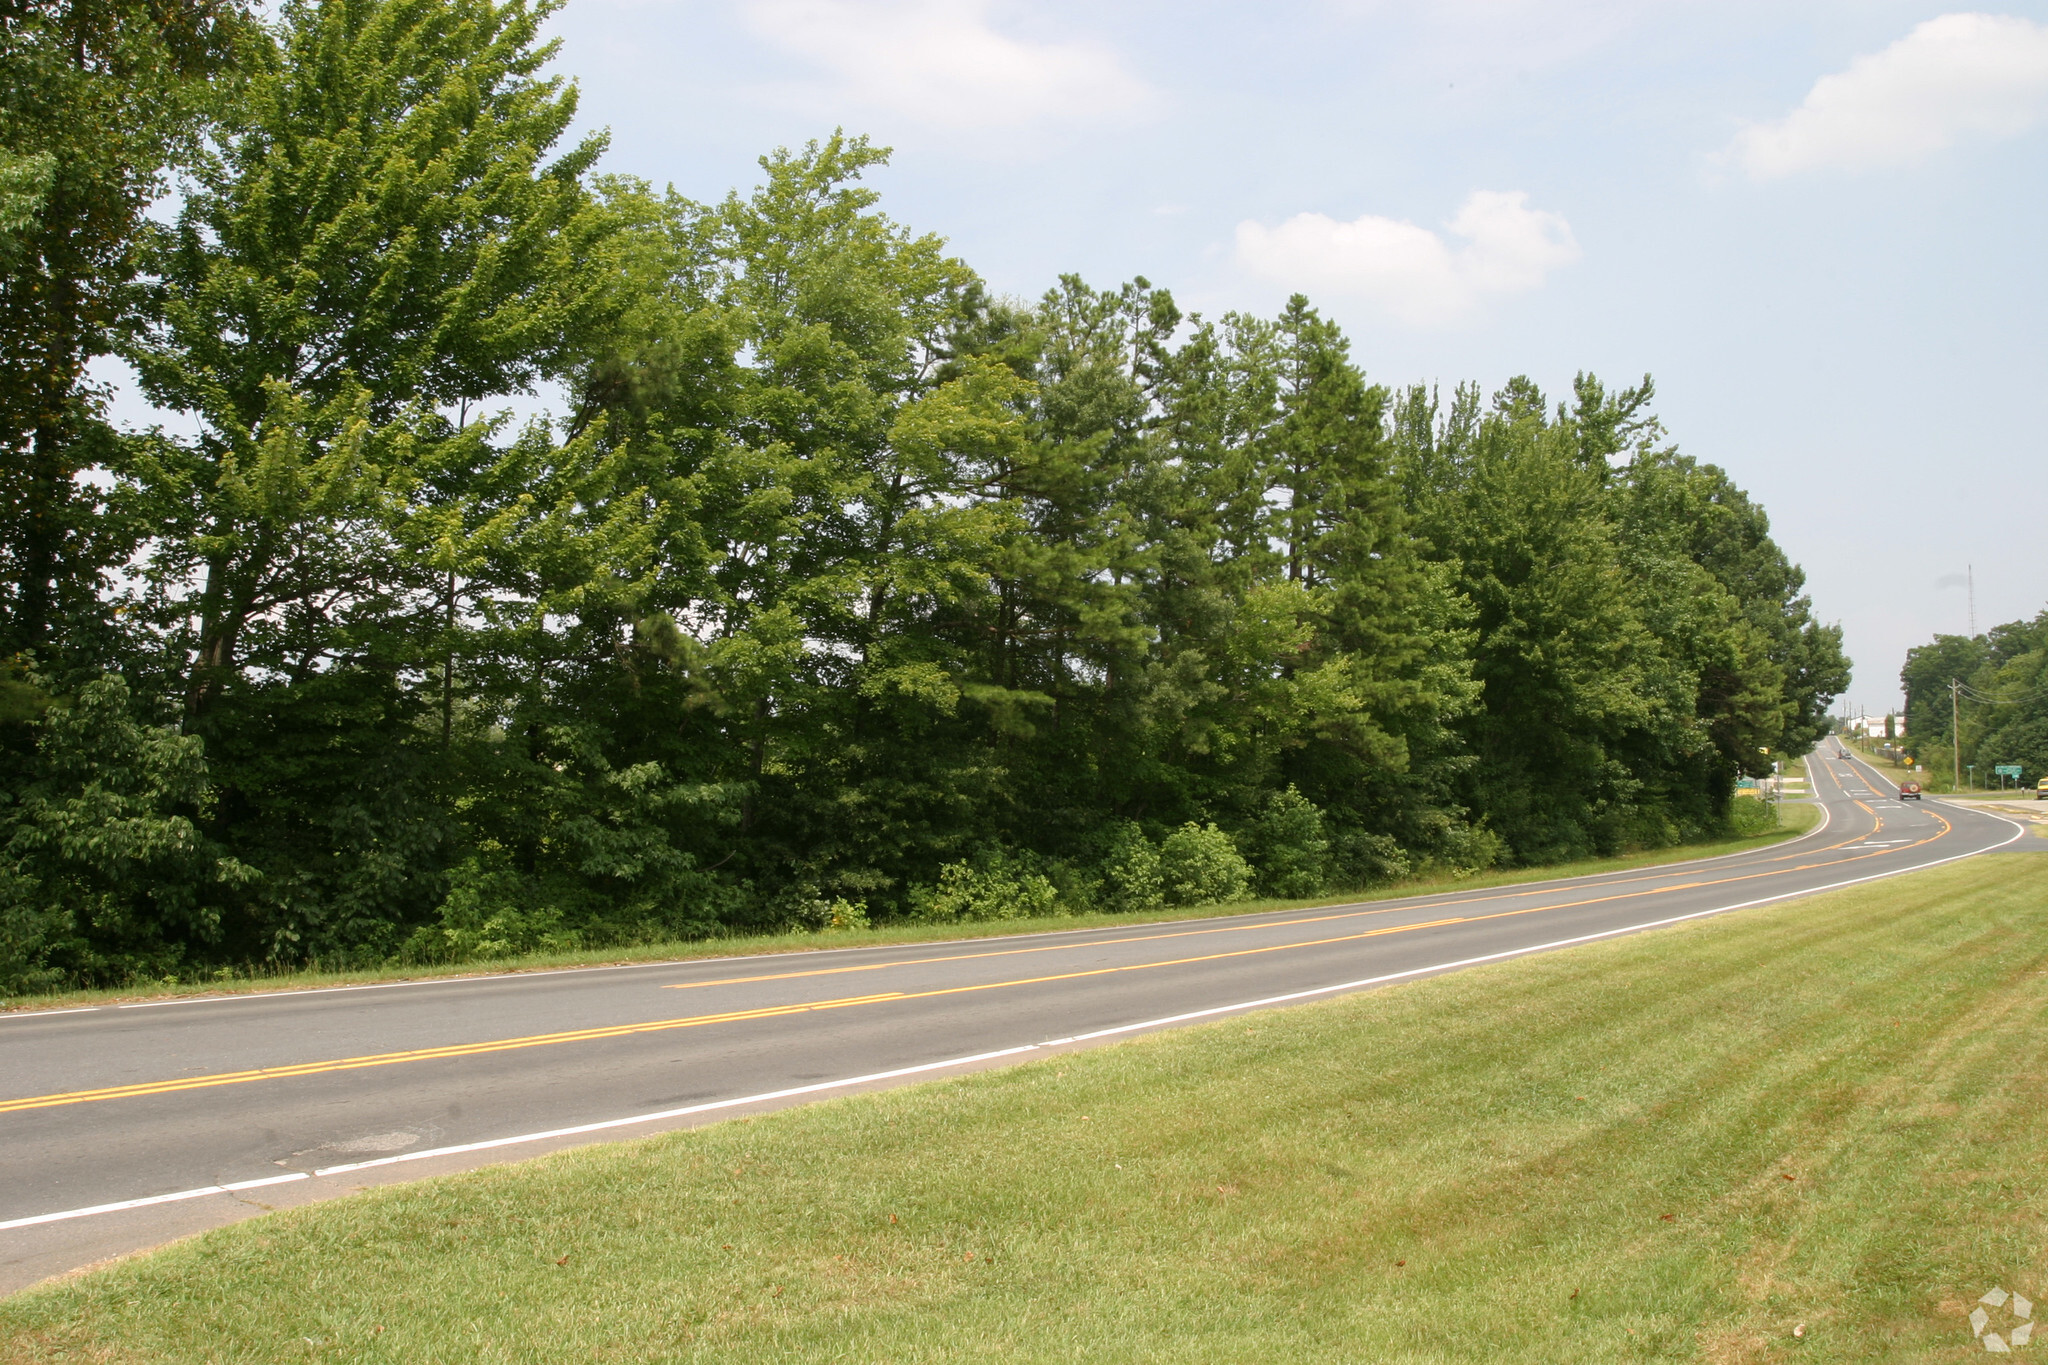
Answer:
(1805, 1131)
(1795, 819)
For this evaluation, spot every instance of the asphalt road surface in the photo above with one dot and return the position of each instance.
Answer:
(122, 1126)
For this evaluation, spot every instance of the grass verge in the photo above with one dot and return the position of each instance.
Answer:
(1808, 1131)
(1794, 820)
(1934, 779)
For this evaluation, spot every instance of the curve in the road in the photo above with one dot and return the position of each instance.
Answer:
(110, 1116)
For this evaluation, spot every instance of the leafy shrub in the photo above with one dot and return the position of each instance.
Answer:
(1748, 815)
(1130, 872)
(846, 914)
(104, 873)
(1078, 883)
(1473, 848)
(995, 888)
(489, 915)
(1445, 844)
(1289, 847)
(1360, 859)
(29, 928)
(1200, 865)
(817, 914)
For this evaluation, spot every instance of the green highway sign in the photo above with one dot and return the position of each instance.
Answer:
(2006, 770)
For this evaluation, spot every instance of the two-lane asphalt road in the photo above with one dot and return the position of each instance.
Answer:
(123, 1125)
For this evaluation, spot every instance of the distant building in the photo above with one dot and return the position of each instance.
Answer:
(1872, 727)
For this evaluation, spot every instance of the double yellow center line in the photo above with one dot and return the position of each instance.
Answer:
(273, 1073)
(424, 1054)
(429, 1054)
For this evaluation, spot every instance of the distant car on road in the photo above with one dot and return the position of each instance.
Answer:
(1909, 791)
(2041, 790)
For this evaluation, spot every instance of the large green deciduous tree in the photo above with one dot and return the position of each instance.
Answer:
(374, 245)
(376, 238)
(97, 97)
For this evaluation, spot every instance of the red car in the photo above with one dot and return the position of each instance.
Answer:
(1909, 791)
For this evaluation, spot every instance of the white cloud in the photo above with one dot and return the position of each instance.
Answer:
(1471, 38)
(944, 62)
(1957, 75)
(1412, 272)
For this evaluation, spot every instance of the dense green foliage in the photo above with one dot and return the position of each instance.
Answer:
(95, 97)
(840, 590)
(2001, 700)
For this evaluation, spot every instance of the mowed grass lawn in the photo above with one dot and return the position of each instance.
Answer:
(1815, 1131)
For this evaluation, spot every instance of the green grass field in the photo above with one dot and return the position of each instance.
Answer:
(1794, 819)
(1810, 1131)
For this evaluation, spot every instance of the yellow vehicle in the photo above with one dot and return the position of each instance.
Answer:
(2041, 790)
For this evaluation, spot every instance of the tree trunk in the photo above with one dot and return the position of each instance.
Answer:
(224, 607)
(448, 663)
(49, 489)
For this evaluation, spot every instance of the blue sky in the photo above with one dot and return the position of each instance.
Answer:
(1819, 226)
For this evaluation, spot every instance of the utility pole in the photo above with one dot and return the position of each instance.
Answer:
(1955, 730)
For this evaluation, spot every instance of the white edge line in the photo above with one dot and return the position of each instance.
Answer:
(684, 1112)
(231, 1188)
(1518, 952)
(44, 1014)
(1147, 1024)
(820, 1087)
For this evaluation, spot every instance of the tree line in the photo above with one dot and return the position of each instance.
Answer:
(838, 589)
(1994, 685)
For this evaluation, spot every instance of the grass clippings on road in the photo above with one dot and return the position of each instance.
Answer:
(1795, 819)
(1810, 1131)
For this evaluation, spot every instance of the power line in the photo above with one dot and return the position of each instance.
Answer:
(1985, 699)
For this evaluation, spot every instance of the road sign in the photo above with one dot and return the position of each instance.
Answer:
(2007, 770)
